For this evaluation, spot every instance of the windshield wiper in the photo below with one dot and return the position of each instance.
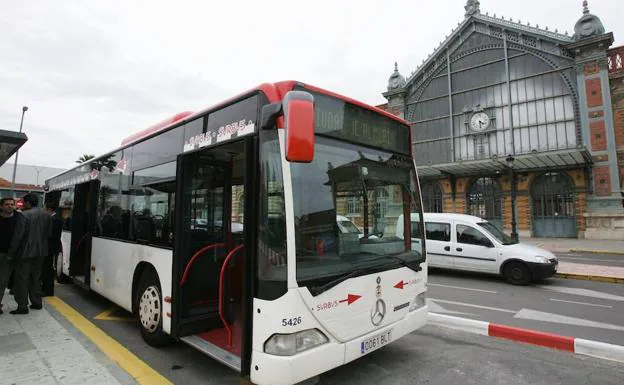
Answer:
(414, 265)
(316, 290)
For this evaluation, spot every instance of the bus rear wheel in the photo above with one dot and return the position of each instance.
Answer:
(149, 302)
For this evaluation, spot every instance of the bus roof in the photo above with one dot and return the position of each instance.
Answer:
(274, 92)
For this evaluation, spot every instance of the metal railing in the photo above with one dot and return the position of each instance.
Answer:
(614, 59)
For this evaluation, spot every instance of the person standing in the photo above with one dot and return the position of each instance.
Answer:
(54, 247)
(28, 269)
(13, 227)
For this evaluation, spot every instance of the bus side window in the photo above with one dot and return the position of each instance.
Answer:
(152, 201)
(66, 205)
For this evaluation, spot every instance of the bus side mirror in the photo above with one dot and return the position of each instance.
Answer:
(299, 126)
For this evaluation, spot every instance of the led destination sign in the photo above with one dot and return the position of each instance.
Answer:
(336, 118)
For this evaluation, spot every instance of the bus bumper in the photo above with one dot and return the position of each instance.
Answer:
(277, 370)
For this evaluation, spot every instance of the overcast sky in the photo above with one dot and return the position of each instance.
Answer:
(93, 72)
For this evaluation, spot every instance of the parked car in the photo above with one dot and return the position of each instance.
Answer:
(469, 243)
(346, 226)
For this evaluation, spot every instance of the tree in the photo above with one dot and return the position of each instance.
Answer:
(85, 158)
(107, 162)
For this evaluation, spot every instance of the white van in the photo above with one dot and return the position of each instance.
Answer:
(346, 226)
(466, 242)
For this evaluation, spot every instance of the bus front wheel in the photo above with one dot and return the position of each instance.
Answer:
(149, 308)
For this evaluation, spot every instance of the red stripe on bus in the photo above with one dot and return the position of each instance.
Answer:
(160, 126)
(270, 90)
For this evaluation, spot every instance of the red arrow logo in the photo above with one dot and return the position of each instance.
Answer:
(400, 285)
(351, 298)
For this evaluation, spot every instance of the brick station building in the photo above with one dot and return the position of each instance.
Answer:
(501, 101)
(20, 190)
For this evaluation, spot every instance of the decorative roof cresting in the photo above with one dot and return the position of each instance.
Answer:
(588, 25)
(471, 7)
(396, 80)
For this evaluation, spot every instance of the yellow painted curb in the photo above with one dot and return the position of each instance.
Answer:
(588, 251)
(106, 315)
(589, 277)
(137, 368)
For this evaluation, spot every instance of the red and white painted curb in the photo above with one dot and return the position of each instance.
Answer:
(569, 344)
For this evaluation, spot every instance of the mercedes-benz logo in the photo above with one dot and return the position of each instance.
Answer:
(378, 312)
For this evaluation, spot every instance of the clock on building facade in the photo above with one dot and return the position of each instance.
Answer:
(479, 121)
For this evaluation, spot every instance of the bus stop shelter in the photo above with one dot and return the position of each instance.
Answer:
(10, 142)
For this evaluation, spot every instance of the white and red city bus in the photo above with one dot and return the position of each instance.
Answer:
(220, 229)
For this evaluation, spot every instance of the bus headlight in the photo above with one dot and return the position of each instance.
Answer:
(291, 344)
(419, 301)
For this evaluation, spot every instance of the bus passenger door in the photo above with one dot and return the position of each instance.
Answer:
(210, 259)
(83, 216)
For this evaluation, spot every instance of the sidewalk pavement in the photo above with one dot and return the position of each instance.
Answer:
(571, 245)
(585, 271)
(601, 273)
(43, 348)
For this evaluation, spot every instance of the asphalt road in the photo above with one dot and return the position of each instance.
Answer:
(431, 356)
(583, 309)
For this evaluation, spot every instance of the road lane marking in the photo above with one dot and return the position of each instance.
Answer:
(582, 303)
(593, 259)
(561, 319)
(108, 315)
(462, 288)
(582, 292)
(136, 368)
(475, 306)
(435, 308)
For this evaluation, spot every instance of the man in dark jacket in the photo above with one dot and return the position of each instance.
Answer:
(28, 268)
(13, 227)
(54, 247)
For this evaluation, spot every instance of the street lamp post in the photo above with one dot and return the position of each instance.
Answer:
(24, 109)
(38, 170)
(510, 161)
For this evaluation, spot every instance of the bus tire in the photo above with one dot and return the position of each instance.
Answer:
(149, 309)
(517, 273)
(58, 269)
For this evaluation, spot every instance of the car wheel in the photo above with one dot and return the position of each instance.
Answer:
(517, 273)
(149, 302)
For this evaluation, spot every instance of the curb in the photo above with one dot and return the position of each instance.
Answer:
(590, 277)
(553, 341)
(136, 368)
(589, 251)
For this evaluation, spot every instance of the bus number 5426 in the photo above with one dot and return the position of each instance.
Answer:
(291, 321)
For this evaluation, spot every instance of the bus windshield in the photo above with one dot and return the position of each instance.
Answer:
(370, 188)
(346, 226)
